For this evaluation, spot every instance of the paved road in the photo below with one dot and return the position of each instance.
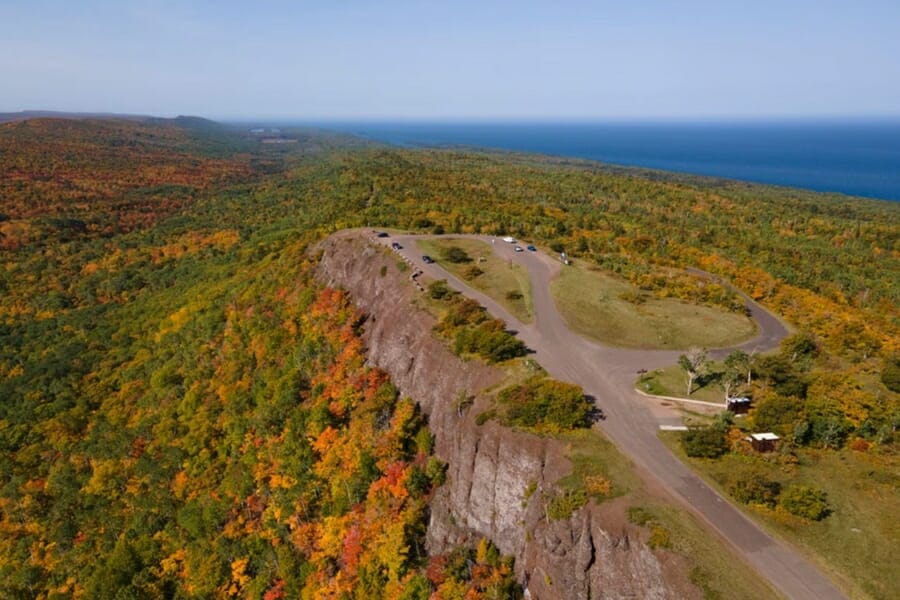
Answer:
(608, 375)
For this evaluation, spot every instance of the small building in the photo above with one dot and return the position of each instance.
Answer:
(763, 442)
(738, 405)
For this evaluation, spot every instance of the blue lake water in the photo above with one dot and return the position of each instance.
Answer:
(860, 158)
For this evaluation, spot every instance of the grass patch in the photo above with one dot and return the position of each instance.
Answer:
(617, 313)
(670, 381)
(505, 282)
(856, 542)
(594, 458)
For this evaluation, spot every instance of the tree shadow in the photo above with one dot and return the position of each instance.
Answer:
(596, 413)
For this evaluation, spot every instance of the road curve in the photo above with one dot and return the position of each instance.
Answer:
(608, 375)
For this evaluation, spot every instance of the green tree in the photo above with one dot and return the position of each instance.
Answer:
(704, 442)
(694, 364)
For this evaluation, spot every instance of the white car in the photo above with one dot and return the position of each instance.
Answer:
(519, 249)
(509, 240)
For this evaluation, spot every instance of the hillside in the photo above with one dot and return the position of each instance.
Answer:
(185, 411)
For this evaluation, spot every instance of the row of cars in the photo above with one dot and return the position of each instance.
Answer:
(428, 260)
(512, 240)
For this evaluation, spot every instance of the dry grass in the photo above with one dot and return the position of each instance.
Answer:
(593, 304)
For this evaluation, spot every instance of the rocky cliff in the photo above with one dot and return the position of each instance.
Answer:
(491, 469)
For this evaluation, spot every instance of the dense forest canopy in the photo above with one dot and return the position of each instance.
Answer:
(184, 412)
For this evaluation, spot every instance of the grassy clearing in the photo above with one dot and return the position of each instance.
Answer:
(593, 457)
(671, 382)
(857, 542)
(617, 313)
(505, 282)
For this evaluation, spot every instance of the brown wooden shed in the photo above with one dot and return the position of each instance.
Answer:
(763, 442)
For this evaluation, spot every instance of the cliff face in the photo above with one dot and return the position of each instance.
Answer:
(594, 554)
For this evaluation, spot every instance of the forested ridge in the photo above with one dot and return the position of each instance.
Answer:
(183, 412)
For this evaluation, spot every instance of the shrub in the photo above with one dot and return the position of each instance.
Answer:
(633, 297)
(859, 445)
(457, 255)
(704, 442)
(439, 289)
(490, 341)
(659, 537)
(562, 505)
(544, 403)
(805, 502)
(486, 416)
(597, 485)
(472, 272)
(639, 515)
(779, 414)
(753, 489)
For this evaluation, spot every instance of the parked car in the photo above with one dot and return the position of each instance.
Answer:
(396, 246)
(519, 249)
(532, 249)
(509, 240)
(427, 259)
(383, 234)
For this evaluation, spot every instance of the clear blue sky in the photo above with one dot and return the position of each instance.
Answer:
(349, 59)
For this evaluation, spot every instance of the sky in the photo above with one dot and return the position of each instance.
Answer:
(460, 60)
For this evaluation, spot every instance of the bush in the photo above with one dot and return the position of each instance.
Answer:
(659, 537)
(565, 503)
(456, 255)
(490, 341)
(472, 272)
(486, 416)
(704, 442)
(473, 331)
(752, 489)
(805, 502)
(438, 290)
(779, 414)
(639, 515)
(544, 403)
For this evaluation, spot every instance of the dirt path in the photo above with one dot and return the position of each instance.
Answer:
(633, 421)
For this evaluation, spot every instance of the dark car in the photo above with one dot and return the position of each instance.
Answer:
(383, 234)
(532, 249)
(427, 259)
(396, 246)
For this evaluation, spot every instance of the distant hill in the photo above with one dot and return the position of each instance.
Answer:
(25, 115)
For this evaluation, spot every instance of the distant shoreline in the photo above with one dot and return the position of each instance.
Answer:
(856, 158)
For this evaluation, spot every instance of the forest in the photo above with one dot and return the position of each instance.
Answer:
(185, 413)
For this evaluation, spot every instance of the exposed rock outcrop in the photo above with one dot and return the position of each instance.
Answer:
(496, 476)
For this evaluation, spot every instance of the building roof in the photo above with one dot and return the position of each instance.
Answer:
(760, 437)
